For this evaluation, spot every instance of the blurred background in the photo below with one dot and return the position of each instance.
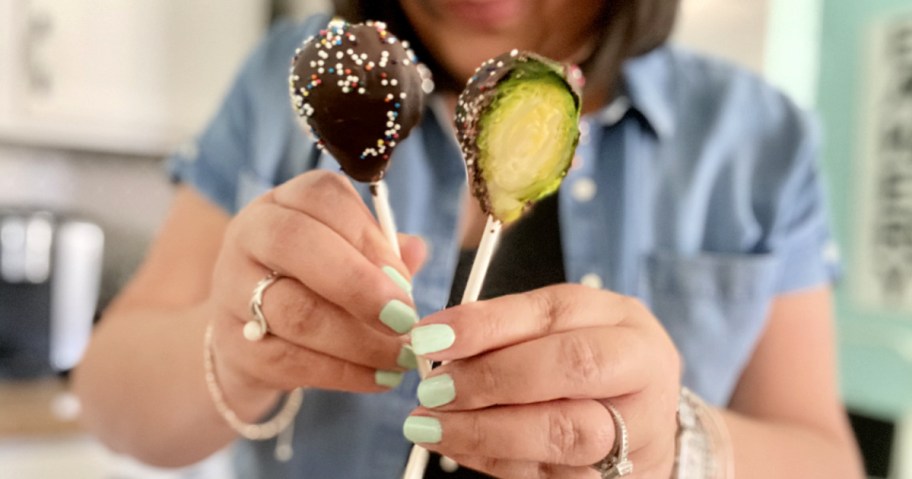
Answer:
(94, 94)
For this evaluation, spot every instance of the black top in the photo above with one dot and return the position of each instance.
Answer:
(529, 257)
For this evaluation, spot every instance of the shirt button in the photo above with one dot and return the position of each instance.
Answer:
(584, 128)
(831, 253)
(591, 280)
(583, 190)
(448, 465)
(616, 111)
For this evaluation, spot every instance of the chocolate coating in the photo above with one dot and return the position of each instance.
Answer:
(479, 94)
(360, 91)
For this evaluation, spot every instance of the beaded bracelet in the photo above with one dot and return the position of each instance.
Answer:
(282, 422)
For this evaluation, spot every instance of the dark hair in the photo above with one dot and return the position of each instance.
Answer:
(631, 28)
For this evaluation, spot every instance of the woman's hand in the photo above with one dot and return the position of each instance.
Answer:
(337, 313)
(524, 393)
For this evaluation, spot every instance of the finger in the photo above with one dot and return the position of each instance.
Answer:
(561, 366)
(298, 315)
(587, 363)
(505, 468)
(658, 457)
(331, 199)
(275, 363)
(565, 432)
(414, 252)
(307, 250)
(472, 328)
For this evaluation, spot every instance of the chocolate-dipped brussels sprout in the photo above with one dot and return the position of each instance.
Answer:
(518, 125)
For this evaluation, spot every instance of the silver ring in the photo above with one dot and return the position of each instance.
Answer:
(616, 464)
(256, 328)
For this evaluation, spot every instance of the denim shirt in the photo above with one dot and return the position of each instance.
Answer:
(697, 191)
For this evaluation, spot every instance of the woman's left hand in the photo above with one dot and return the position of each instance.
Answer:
(524, 394)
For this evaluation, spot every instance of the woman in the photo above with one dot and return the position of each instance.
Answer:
(693, 216)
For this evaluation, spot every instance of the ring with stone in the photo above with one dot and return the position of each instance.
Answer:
(616, 463)
(256, 328)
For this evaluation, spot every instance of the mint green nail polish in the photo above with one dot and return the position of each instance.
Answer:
(407, 358)
(436, 391)
(389, 379)
(422, 429)
(397, 278)
(398, 316)
(432, 338)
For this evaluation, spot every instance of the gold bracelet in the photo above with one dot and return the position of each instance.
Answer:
(282, 421)
(704, 449)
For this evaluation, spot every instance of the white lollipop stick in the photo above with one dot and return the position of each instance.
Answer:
(482, 260)
(418, 459)
(417, 463)
(380, 195)
(424, 368)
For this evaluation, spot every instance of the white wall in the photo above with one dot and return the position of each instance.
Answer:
(779, 39)
(732, 29)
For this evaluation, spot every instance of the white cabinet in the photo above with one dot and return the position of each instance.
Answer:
(135, 76)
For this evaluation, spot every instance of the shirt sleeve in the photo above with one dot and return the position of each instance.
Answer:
(800, 237)
(227, 151)
(211, 162)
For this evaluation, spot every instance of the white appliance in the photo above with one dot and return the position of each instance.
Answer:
(50, 274)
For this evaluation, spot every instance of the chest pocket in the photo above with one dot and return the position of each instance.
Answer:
(714, 306)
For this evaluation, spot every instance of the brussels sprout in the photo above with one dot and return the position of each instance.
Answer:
(518, 126)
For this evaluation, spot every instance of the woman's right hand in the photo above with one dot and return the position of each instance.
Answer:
(338, 312)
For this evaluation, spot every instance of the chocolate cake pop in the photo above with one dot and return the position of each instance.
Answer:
(517, 122)
(360, 92)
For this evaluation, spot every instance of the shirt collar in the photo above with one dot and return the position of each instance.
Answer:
(646, 86)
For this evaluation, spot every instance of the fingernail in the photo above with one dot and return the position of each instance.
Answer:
(422, 429)
(407, 358)
(398, 316)
(389, 379)
(432, 338)
(436, 391)
(397, 278)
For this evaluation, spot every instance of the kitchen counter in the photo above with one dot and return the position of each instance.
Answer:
(40, 438)
(37, 408)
